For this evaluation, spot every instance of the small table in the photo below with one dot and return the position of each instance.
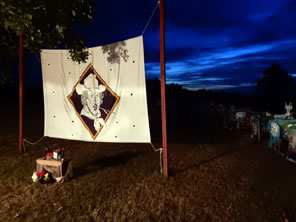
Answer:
(52, 166)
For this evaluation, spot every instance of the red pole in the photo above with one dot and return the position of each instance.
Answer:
(20, 147)
(162, 90)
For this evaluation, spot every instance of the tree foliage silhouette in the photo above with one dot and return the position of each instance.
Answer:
(276, 85)
(44, 24)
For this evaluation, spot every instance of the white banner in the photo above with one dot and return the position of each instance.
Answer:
(102, 100)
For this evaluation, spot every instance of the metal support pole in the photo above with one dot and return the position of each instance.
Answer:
(162, 88)
(21, 62)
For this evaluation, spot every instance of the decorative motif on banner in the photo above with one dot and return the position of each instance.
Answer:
(93, 101)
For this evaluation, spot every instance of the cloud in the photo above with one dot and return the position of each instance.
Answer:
(215, 44)
(209, 44)
(222, 87)
(228, 67)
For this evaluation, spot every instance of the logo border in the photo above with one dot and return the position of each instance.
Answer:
(109, 89)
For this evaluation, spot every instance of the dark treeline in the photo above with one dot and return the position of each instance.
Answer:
(199, 109)
(191, 109)
(176, 95)
(271, 92)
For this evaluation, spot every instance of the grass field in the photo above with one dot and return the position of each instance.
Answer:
(231, 180)
(214, 175)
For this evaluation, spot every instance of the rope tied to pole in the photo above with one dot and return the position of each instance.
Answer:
(31, 143)
(160, 157)
(149, 20)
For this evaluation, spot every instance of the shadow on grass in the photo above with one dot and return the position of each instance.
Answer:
(105, 162)
(174, 172)
(192, 135)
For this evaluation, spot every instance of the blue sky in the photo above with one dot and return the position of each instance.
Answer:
(214, 44)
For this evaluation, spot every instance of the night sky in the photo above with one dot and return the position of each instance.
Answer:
(214, 44)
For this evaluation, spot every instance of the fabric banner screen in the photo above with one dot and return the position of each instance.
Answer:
(102, 100)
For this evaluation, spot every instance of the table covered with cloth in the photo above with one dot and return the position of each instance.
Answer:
(278, 130)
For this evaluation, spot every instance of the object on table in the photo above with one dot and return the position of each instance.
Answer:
(58, 154)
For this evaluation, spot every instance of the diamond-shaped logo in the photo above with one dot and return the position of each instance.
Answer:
(93, 101)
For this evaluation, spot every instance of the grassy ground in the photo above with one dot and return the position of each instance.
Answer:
(231, 180)
(214, 175)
